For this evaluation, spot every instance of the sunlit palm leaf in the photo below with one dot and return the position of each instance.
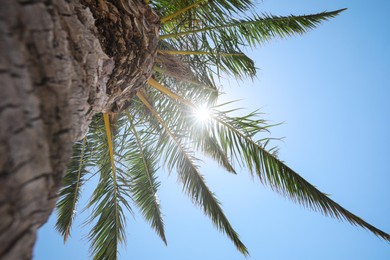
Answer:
(235, 134)
(187, 8)
(179, 158)
(261, 28)
(107, 200)
(274, 173)
(183, 121)
(142, 169)
(230, 36)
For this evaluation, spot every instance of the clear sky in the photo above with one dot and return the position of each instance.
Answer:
(331, 88)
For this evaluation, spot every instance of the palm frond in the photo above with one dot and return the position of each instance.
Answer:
(107, 199)
(142, 169)
(216, 56)
(231, 35)
(234, 135)
(182, 10)
(172, 11)
(260, 29)
(186, 87)
(274, 173)
(221, 41)
(70, 192)
(193, 182)
(185, 123)
(210, 147)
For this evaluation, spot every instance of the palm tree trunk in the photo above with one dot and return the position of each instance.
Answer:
(55, 73)
(128, 31)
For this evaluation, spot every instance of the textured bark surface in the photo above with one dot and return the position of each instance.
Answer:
(53, 76)
(128, 31)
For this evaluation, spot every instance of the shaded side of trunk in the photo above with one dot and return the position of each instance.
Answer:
(53, 76)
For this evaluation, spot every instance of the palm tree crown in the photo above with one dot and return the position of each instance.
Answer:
(200, 40)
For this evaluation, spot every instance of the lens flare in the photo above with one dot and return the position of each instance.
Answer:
(202, 114)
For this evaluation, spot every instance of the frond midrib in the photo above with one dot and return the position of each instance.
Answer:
(113, 170)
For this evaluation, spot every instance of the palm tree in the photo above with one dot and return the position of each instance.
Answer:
(148, 125)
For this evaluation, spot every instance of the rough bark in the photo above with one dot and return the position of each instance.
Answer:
(53, 79)
(128, 32)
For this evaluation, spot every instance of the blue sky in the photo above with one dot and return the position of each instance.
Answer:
(330, 87)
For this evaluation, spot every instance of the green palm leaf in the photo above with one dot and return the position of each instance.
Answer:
(274, 173)
(70, 193)
(234, 135)
(172, 11)
(200, 40)
(183, 121)
(142, 169)
(107, 199)
(261, 29)
(178, 157)
(230, 36)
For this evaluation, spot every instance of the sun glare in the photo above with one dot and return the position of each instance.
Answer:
(202, 114)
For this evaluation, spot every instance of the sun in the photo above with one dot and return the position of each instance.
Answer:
(202, 114)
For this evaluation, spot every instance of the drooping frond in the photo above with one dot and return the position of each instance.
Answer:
(70, 192)
(108, 198)
(274, 173)
(235, 135)
(261, 28)
(231, 35)
(142, 161)
(215, 38)
(178, 157)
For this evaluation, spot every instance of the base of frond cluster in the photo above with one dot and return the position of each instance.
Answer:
(128, 31)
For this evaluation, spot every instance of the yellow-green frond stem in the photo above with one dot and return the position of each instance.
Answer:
(109, 143)
(167, 92)
(111, 152)
(183, 10)
(192, 82)
(141, 97)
